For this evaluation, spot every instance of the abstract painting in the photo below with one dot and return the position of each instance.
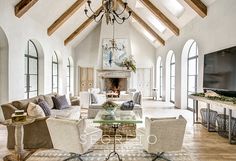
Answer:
(113, 58)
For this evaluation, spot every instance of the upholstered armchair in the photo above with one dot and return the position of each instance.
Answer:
(162, 135)
(72, 136)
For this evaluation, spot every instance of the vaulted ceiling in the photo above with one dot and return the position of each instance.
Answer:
(157, 20)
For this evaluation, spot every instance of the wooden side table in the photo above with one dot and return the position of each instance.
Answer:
(20, 154)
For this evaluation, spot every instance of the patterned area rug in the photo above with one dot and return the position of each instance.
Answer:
(129, 150)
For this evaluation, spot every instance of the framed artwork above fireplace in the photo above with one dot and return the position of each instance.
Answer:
(113, 58)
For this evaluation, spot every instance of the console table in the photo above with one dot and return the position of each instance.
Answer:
(225, 105)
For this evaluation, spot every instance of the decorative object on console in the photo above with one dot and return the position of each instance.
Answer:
(130, 63)
(110, 107)
(113, 59)
(210, 93)
(110, 11)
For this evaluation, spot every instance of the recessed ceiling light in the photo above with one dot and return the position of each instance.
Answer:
(174, 7)
(156, 23)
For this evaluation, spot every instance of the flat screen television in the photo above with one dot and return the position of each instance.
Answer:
(220, 71)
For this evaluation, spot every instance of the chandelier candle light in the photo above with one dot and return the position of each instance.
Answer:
(109, 10)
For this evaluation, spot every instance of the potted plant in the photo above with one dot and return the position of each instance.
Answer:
(110, 107)
(130, 63)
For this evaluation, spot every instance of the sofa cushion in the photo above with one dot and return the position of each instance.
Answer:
(35, 110)
(23, 104)
(101, 98)
(72, 112)
(60, 102)
(48, 99)
(44, 105)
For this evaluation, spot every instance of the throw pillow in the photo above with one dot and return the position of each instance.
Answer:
(44, 105)
(129, 105)
(60, 102)
(93, 99)
(35, 110)
(48, 99)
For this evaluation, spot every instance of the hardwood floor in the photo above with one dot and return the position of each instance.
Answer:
(200, 144)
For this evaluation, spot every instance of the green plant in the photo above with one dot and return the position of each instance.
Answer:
(199, 94)
(218, 98)
(130, 63)
(109, 105)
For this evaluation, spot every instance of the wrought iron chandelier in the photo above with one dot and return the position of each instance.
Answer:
(109, 11)
(113, 41)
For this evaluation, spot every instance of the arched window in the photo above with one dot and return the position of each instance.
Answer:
(172, 78)
(68, 76)
(161, 79)
(31, 70)
(55, 76)
(192, 71)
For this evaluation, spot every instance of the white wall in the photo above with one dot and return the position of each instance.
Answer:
(215, 32)
(89, 52)
(18, 32)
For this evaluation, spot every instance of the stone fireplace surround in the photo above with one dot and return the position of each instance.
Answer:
(104, 75)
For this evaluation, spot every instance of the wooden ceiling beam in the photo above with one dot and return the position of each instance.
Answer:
(80, 28)
(144, 24)
(198, 7)
(65, 16)
(166, 21)
(23, 6)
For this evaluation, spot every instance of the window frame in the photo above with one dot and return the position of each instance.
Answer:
(69, 70)
(161, 80)
(53, 62)
(27, 74)
(196, 58)
(172, 64)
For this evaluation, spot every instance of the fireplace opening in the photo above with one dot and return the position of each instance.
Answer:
(115, 85)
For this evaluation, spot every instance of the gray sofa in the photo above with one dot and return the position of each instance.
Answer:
(36, 135)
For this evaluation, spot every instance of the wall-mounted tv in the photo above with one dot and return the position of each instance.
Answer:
(220, 71)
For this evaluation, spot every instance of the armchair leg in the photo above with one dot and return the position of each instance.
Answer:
(160, 155)
(73, 156)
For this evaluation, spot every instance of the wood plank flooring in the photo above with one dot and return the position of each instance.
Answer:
(200, 144)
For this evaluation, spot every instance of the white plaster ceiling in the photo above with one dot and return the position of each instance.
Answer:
(45, 12)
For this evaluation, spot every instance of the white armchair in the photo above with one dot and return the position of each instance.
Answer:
(162, 135)
(72, 136)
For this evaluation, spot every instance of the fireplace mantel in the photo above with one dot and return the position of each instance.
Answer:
(114, 73)
(102, 75)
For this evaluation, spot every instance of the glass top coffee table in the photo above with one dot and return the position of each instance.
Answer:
(120, 117)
